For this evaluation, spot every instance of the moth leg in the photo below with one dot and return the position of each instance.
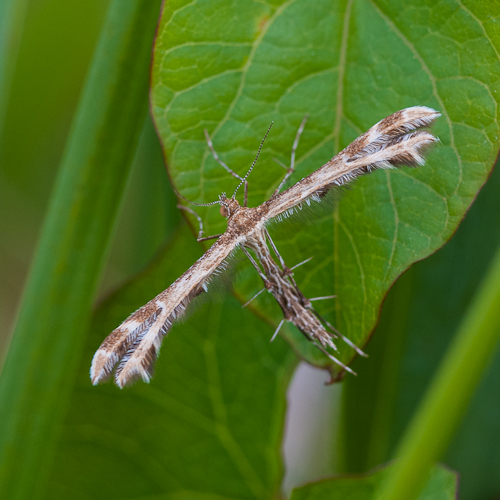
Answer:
(275, 250)
(209, 237)
(343, 337)
(200, 232)
(217, 159)
(277, 330)
(254, 297)
(324, 351)
(323, 298)
(300, 263)
(192, 212)
(267, 283)
(286, 270)
(333, 358)
(291, 169)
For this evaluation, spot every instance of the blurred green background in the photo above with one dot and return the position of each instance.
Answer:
(54, 52)
(56, 47)
(420, 315)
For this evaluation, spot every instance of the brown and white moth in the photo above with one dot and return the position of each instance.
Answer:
(394, 141)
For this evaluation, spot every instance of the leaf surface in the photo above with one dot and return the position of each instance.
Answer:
(232, 68)
(187, 434)
(420, 318)
(442, 485)
(210, 423)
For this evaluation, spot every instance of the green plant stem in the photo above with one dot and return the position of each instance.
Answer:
(55, 311)
(446, 401)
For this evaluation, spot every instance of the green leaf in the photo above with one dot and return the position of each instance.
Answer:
(442, 485)
(55, 313)
(233, 68)
(210, 423)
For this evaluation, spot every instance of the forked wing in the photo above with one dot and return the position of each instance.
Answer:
(392, 142)
(136, 342)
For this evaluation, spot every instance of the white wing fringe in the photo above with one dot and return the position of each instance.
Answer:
(135, 344)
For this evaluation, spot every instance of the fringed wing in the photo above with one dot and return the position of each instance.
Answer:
(136, 342)
(392, 142)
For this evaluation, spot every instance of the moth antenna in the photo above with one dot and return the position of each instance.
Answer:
(217, 202)
(254, 162)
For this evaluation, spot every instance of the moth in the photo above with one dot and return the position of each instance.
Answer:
(400, 139)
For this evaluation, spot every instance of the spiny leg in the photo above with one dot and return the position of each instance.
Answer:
(275, 250)
(200, 222)
(301, 263)
(192, 212)
(343, 337)
(323, 298)
(333, 358)
(262, 289)
(220, 162)
(216, 156)
(254, 297)
(277, 330)
(286, 270)
(210, 237)
(252, 260)
(292, 158)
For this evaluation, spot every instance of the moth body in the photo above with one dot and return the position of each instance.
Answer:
(394, 141)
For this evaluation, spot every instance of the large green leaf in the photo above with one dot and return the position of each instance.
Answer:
(442, 485)
(232, 68)
(208, 426)
(420, 317)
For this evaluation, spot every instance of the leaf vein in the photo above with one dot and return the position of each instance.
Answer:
(396, 224)
(222, 429)
(392, 25)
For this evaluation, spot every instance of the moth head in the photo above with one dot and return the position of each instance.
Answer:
(228, 206)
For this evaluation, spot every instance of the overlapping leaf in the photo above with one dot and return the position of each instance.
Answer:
(187, 434)
(442, 485)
